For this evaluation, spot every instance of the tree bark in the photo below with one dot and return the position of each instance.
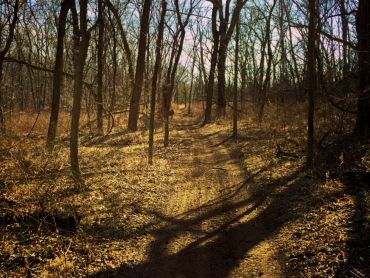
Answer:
(345, 38)
(235, 96)
(3, 52)
(226, 30)
(173, 64)
(140, 67)
(100, 54)
(211, 76)
(125, 42)
(58, 74)
(264, 83)
(157, 66)
(81, 44)
(191, 82)
(312, 81)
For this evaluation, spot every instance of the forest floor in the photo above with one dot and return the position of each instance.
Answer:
(210, 206)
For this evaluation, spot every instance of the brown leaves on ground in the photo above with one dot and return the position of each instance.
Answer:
(209, 207)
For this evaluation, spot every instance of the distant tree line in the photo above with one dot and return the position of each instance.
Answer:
(103, 57)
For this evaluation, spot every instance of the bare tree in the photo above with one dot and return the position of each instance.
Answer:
(265, 75)
(140, 67)
(100, 50)
(178, 43)
(311, 79)
(214, 56)
(81, 44)
(226, 30)
(126, 45)
(12, 19)
(58, 73)
(235, 95)
(157, 66)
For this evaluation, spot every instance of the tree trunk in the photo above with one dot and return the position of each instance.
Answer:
(243, 73)
(3, 52)
(345, 38)
(191, 82)
(100, 50)
(264, 83)
(226, 31)
(58, 74)
(211, 76)
(235, 96)
(140, 68)
(172, 69)
(362, 127)
(168, 90)
(81, 44)
(157, 66)
(221, 68)
(312, 81)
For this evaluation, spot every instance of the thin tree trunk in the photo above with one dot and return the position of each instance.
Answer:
(58, 74)
(221, 68)
(3, 52)
(125, 42)
(100, 50)
(191, 82)
(226, 31)
(140, 68)
(235, 96)
(172, 70)
(312, 81)
(157, 66)
(81, 45)
(211, 76)
(167, 92)
(113, 96)
(264, 83)
(343, 12)
(243, 73)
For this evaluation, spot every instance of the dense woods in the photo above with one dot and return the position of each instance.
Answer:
(196, 126)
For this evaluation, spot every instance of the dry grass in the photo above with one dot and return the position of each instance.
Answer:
(123, 213)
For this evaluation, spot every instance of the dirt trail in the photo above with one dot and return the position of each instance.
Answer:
(208, 230)
(209, 206)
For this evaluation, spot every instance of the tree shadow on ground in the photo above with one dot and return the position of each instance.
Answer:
(356, 180)
(358, 245)
(342, 159)
(217, 253)
(108, 229)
